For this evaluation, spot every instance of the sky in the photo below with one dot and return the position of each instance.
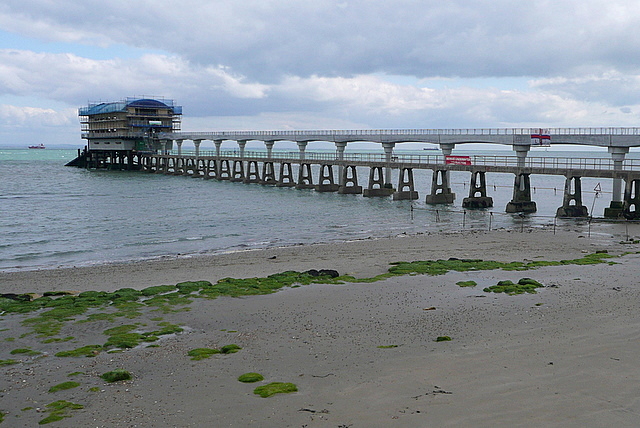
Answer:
(321, 64)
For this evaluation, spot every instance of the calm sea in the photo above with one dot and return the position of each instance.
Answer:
(52, 215)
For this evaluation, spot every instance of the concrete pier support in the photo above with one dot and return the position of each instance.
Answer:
(269, 146)
(631, 203)
(349, 181)
(572, 200)
(305, 177)
(406, 189)
(286, 176)
(238, 171)
(253, 173)
(340, 146)
(211, 169)
(616, 207)
(178, 168)
(189, 167)
(179, 144)
(199, 171)
(440, 191)
(326, 182)
(197, 144)
(302, 146)
(477, 192)
(388, 153)
(377, 184)
(241, 145)
(268, 173)
(218, 144)
(224, 170)
(521, 201)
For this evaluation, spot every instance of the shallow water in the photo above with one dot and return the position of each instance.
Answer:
(52, 215)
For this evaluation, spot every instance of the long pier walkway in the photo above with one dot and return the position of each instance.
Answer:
(337, 172)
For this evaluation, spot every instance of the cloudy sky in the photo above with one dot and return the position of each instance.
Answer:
(321, 64)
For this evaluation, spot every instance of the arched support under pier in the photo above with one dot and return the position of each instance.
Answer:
(190, 167)
(440, 191)
(406, 189)
(521, 201)
(477, 192)
(388, 153)
(268, 173)
(349, 181)
(572, 200)
(325, 181)
(286, 175)
(238, 171)
(253, 173)
(377, 185)
(631, 203)
(305, 177)
(179, 144)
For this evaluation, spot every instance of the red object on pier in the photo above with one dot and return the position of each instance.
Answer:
(457, 160)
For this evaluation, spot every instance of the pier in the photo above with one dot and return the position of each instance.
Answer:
(141, 134)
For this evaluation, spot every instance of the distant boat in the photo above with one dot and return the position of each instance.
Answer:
(39, 146)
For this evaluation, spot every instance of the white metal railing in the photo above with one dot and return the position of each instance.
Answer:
(602, 164)
(584, 131)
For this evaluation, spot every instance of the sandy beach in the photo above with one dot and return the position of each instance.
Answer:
(360, 354)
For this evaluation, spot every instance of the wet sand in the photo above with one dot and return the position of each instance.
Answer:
(566, 356)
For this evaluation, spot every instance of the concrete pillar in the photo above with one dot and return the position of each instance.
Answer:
(631, 202)
(302, 146)
(269, 146)
(406, 189)
(388, 152)
(615, 208)
(218, 144)
(478, 192)
(179, 144)
(340, 146)
(572, 201)
(521, 201)
(521, 153)
(197, 144)
(163, 146)
(440, 191)
(447, 148)
(242, 144)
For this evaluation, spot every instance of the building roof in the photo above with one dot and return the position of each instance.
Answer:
(120, 106)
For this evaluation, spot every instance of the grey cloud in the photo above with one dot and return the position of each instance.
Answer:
(266, 40)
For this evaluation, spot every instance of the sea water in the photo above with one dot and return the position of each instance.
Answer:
(56, 216)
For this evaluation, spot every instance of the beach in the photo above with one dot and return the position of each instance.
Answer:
(359, 354)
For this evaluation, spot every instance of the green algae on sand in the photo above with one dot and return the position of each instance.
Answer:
(273, 388)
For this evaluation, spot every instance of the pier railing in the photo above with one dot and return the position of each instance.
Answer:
(433, 159)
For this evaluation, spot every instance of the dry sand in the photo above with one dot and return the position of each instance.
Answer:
(567, 356)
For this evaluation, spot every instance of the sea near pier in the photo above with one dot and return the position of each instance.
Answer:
(55, 216)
